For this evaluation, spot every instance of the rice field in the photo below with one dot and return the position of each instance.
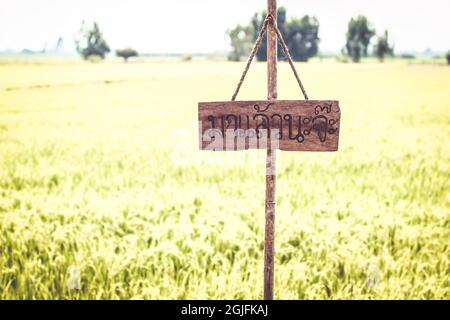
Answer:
(105, 195)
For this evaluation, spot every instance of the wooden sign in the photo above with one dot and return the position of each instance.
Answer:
(291, 125)
(307, 125)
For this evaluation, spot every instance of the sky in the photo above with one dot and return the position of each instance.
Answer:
(199, 26)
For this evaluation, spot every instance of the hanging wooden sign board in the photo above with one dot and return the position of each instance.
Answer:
(291, 125)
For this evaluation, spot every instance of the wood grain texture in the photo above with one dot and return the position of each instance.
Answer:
(272, 94)
(291, 125)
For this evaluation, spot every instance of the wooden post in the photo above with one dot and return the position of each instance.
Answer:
(319, 130)
(269, 243)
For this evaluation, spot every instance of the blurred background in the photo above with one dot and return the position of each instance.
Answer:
(104, 193)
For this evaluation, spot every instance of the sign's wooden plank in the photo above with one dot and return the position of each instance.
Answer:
(291, 125)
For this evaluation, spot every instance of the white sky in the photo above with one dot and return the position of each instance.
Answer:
(167, 26)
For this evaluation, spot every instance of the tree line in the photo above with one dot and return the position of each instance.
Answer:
(91, 43)
(302, 38)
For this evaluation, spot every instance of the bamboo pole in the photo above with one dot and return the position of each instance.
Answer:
(269, 243)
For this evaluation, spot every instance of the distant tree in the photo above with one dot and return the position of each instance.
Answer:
(448, 57)
(408, 56)
(241, 42)
(300, 35)
(282, 24)
(126, 53)
(303, 38)
(91, 42)
(382, 47)
(257, 22)
(186, 58)
(59, 44)
(359, 34)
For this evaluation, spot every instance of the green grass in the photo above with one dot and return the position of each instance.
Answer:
(100, 169)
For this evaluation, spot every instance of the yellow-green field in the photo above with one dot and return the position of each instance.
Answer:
(100, 175)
